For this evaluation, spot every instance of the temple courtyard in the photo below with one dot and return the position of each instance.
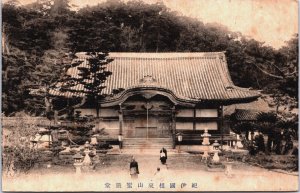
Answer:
(184, 172)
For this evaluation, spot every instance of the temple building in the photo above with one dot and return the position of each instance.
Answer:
(164, 94)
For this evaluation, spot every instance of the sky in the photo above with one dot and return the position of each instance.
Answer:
(269, 21)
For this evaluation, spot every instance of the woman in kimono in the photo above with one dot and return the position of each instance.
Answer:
(163, 155)
(134, 169)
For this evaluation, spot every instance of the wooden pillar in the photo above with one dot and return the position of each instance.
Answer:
(120, 121)
(222, 127)
(173, 112)
(194, 120)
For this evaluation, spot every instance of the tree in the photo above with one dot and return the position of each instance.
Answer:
(280, 66)
(54, 64)
(140, 27)
(267, 124)
(92, 77)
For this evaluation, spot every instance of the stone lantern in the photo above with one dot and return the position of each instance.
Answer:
(216, 150)
(78, 162)
(206, 144)
(228, 169)
(87, 163)
(179, 137)
(205, 136)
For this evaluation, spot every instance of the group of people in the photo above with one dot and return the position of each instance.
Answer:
(134, 167)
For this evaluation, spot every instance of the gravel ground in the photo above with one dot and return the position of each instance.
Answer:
(184, 171)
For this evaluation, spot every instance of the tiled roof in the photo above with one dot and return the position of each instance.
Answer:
(190, 76)
(258, 105)
(245, 115)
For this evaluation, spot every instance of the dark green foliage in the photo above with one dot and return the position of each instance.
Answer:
(56, 148)
(33, 58)
(38, 34)
(281, 129)
(103, 145)
(79, 134)
(242, 127)
(14, 79)
(92, 77)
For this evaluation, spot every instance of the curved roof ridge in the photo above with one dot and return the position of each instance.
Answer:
(226, 74)
(157, 54)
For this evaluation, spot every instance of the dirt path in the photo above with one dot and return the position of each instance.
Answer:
(183, 172)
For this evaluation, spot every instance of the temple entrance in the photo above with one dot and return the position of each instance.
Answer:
(144, 118)
(153, 127)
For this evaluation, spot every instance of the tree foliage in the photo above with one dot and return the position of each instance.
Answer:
(18, 155)
(37, 34)
(91, 77)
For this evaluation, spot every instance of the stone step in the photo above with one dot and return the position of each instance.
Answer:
(149, 139)
(146, 147)
(150, 143)
(142, 139)
(146, 142)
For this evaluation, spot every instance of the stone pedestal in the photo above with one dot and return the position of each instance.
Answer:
(86, 160)
(78, 168)
(215, 164)
(216, 158)
(87, 164)
(77, 163)
(228, 170)
(206, 144)
(205, 155)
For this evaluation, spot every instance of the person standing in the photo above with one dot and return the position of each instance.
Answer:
(134, 169)
(260, 143)
(163, 155)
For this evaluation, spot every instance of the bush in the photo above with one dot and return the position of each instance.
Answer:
(17, 153)
(19, 158)
(103, 145)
